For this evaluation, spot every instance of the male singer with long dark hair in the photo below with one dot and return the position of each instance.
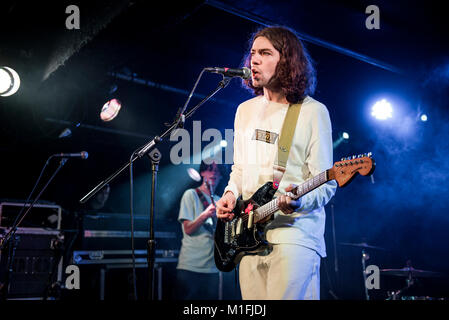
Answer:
(282, 75)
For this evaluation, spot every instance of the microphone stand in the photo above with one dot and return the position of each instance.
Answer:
(155, 158)
(331, 291)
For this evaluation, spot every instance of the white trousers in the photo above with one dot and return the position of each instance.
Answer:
(289, 272)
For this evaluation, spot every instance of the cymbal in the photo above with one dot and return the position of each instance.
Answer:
(362, 245)
(410, 271)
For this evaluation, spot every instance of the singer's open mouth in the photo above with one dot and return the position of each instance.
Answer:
(255, 73)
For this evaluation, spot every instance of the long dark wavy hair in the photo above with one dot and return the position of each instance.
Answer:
(295, 75)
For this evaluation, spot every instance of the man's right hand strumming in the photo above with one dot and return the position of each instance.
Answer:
(225, 205)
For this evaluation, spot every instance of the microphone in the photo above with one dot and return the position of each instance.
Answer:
(82, 155)
(244, 73)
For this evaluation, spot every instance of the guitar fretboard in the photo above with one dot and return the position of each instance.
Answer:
(272, 206)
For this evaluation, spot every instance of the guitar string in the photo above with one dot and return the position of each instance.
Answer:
(304, 188)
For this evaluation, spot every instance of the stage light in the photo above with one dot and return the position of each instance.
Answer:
(223, 143)
(424, 117)
(66, 133)
(110, 110)
(382, 110)
(342, 137)
(9, 81)
(194, 174)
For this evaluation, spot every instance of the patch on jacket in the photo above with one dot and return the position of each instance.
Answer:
(265, 136)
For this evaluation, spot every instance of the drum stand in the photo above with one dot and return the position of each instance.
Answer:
(365, 257)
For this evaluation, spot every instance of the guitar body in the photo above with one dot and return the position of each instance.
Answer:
(233, 239)
(244, 234)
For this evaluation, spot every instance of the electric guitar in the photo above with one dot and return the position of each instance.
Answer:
(244, 234)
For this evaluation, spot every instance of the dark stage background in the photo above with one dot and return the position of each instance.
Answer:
(65, 80)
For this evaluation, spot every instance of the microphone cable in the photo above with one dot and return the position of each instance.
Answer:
(131, 210)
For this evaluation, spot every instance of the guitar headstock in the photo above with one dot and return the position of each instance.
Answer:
(345, 170)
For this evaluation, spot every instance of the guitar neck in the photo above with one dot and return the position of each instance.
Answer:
(209, 188)
(271, 207)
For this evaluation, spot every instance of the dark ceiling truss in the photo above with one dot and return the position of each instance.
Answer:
(306, 37)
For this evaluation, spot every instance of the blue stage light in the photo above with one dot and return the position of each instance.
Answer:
(342, 137)
(382, 110)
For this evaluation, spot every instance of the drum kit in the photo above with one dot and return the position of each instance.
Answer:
(408, 272)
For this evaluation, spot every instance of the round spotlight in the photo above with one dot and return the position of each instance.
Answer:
(382, 110)
(223, 143)
(194, 174)
(424, 117)
(110, 110)
(9, 81)
(345, 135)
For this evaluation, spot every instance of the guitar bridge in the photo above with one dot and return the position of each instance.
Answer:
(227, 228)
(230, 231)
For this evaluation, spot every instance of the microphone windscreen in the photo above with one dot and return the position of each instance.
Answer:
(246, 73)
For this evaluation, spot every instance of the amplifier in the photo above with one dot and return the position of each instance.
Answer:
(106, 273)
(35, 264)
(115, 221)
(121, 240)
(40, 216)
(112, 232)
(123, 257)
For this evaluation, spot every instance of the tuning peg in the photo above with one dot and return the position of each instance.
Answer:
(369, 154)
(343, 159)
(353, 157)
(359, 156)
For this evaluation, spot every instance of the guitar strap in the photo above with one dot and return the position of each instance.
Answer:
(209, 227)
(285, 142)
